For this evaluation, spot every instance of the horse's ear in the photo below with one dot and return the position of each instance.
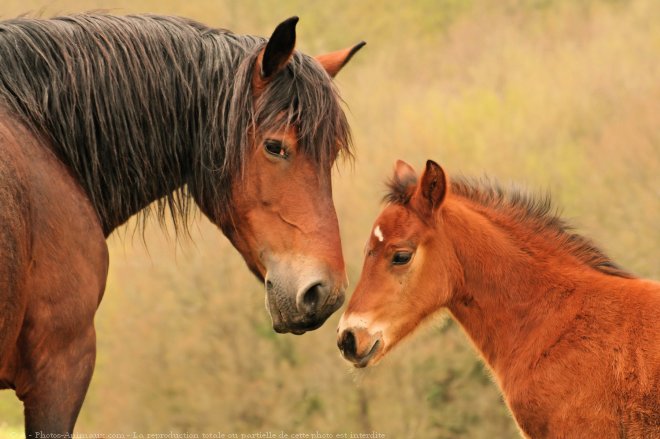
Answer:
(432, 189)
(334, 61)
(277, 52)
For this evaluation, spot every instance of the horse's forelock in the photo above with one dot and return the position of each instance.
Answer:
(304, 95)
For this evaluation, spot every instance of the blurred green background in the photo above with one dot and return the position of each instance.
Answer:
(555, 95)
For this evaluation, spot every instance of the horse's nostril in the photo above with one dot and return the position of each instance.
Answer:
(311, 299)
(347, 344)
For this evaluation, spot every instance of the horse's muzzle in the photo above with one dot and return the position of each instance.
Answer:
(300, 309)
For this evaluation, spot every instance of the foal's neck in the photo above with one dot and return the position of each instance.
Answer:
(518, 288)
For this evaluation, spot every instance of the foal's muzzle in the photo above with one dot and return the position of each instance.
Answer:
(358, 346)
(301, 298)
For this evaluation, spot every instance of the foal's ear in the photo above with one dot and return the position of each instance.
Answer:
(432, 189)
(404, 174)
(334, 61)
(278, 50)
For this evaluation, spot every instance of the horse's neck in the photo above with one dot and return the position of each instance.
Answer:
(517, 294)
(135, 130)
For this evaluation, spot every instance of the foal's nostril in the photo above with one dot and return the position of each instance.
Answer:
(347, 344)
(311, 299)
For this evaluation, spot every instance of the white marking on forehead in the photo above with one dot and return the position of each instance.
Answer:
(378, 234)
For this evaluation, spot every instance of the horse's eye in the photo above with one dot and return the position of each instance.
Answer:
(401, 258)
(276, 148)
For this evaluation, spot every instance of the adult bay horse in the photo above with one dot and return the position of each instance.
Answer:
(573, 340)
(102, 115)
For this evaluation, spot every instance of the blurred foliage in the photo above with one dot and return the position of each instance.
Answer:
(555, 95)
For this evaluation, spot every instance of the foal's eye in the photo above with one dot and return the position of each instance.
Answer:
(401, 258)
(276, 148)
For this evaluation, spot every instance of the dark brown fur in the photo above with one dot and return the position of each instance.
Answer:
(145, 108)
(101, 116)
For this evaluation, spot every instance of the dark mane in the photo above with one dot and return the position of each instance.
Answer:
(536, 211)
(145, 108)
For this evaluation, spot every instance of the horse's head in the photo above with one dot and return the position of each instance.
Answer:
(281, 215)
(409, 268)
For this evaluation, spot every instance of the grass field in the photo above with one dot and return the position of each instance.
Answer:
(553, 95)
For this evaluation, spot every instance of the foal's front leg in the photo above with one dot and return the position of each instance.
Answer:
(54, 383)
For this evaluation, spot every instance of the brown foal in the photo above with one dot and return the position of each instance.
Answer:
(573, 341)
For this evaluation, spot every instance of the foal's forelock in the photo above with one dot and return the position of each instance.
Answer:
(399, 191)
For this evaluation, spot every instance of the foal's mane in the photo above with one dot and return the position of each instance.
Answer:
(146, 107)
(536, 211)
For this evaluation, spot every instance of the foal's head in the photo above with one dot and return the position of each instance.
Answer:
(409, 268)
(281, 215)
